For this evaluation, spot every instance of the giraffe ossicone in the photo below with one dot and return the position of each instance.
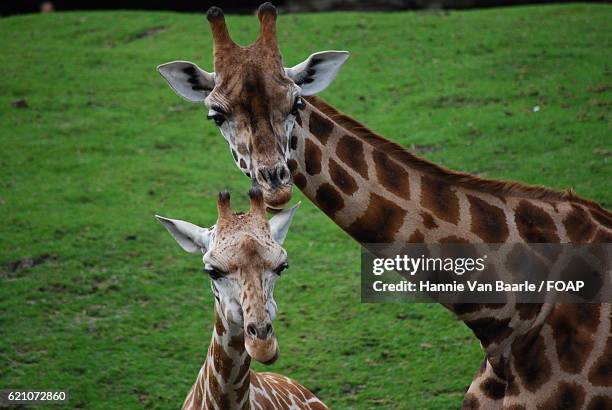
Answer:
(243, 256)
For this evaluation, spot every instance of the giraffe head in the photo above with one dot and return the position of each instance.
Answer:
(243, 257)
(253, 99)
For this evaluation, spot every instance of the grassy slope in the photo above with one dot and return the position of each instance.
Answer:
(121, 317)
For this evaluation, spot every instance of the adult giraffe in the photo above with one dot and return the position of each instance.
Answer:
(536, 355)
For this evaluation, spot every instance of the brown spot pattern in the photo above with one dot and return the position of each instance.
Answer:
(602, 218)
(566, 396)
(600, 402)
(391, 175)
(312, 158)
(534, 224)
(578, 225)
(219, 328)
(223, 363)
(292, 165)
(489, 330)
(350, 151)
(237, 343)
(265, 403)
(573, 329)
(439, 198)
(428, 220)
(215, 391)
(493, 389)
(528, 311)
(320, 126)
(532, 366)
(600, 373)
(341, 178)
(329, 199)
(300, 180)
(381, 220)
(293, 143)
(488, 221)
(514, 263)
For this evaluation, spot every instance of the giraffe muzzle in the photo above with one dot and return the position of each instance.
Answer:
(277, 199)
(264, 351)
(275, 183)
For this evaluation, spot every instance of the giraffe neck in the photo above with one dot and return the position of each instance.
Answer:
(369, 193)
(378, 192)
(224, 379)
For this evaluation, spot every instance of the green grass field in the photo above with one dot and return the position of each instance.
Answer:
(97, 299)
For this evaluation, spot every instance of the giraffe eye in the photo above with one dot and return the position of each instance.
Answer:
(297, 104)
(214, 272)
(281, 268)
(219, 119)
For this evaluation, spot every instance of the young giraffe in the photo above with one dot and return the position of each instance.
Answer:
(244, 258)
(536, 355)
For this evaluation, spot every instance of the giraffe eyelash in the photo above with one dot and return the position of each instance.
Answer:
(214, 272)
(218, 109)
(217, 117)
(281, 268)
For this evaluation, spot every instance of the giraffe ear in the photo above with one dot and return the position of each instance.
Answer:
(318, 71)
(190, 237)
(188, 80)
(279, 223)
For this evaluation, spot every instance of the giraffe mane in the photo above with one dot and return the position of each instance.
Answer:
(495, 187)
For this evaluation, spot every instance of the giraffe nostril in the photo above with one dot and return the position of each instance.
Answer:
(268, 330)
(274, 177)
(252, 330)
